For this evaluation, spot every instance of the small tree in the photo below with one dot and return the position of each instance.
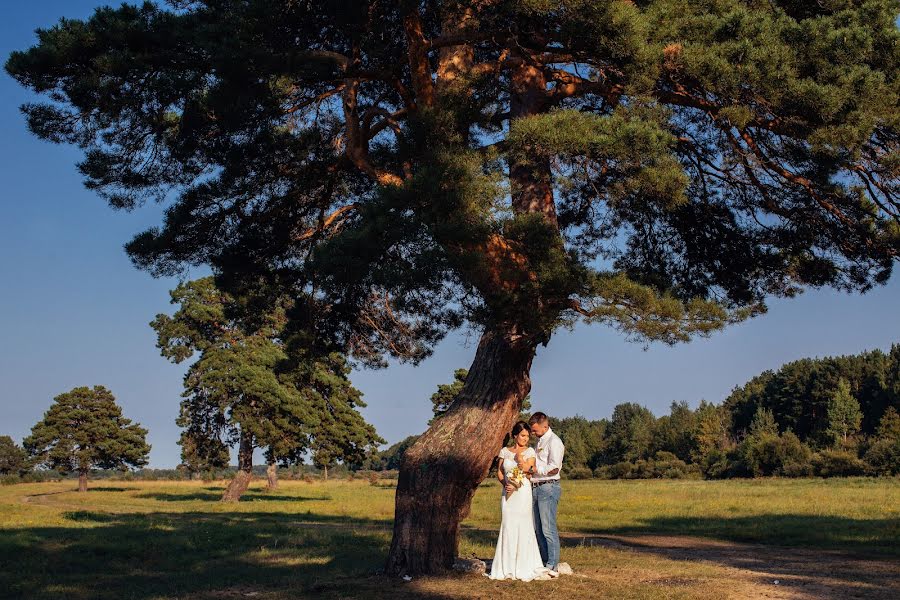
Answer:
(84, 430)
(844, 414)
(13, 459)
(763, 423)
(712, 430)
(889, 425)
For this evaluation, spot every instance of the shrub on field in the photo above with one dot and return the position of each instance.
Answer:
(838, 463)
(580, 473)
(714, 464)
(620, 470)
(664, 465)
(797, 470)
(883, 457)
(767, 453)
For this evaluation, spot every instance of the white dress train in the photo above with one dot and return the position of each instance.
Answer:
(517, 555)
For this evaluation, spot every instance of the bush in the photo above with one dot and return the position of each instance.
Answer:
(674, 473)
(714, 465)
(838, 463)
(796, 469)
(579, 473)
(669, 466)
(620, 470)
(765, 453)
(665, 465)
(883, 457)
(642, 469)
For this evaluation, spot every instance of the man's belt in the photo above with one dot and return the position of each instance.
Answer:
(537, 483)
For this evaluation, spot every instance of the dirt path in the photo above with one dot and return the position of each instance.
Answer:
(767, 571)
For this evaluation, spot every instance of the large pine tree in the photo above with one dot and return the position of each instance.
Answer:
(659, 166)
(83, 430)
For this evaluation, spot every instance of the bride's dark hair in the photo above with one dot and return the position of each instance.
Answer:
(518, 427)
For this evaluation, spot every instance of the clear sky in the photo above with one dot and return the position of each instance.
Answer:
(74, 311)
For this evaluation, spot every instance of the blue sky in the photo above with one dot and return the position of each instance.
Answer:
(74, 311)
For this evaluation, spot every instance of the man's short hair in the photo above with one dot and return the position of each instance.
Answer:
(537, 417)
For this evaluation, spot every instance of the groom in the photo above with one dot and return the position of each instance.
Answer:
(546, 489)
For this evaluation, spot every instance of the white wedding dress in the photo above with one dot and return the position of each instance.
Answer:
(517, 555)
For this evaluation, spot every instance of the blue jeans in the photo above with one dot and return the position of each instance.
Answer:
(545, 500)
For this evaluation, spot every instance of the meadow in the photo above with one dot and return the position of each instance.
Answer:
(811, 538)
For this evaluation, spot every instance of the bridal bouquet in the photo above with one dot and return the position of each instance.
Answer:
(516, 476)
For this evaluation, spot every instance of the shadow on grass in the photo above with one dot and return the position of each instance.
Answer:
(199, 555)
(863, 537)
(829, 556)
(249, 496)
(107, 489)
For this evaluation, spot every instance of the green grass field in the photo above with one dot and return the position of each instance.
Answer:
(625, 539)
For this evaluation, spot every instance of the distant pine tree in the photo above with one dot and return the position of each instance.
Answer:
(83, 430)
(13, 458)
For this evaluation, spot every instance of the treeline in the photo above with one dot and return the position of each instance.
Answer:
(835, 416)
(825, 417)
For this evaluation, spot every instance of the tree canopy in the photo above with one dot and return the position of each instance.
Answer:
(84, 429)
(420, 165)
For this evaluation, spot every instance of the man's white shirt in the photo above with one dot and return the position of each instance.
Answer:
(550, 450)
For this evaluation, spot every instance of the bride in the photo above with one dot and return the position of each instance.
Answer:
(517, 555)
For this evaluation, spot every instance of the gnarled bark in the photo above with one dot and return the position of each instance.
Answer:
(441, 471)
(242, 478)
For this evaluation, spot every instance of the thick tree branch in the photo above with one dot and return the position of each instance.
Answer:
(356, 145)
(423, 87)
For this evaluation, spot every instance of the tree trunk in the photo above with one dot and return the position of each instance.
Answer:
(441, 471)
(242, 478)
(325, 469)
(272, 477)
(82, 481)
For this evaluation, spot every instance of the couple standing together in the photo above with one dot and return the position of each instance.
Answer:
(528, 546)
